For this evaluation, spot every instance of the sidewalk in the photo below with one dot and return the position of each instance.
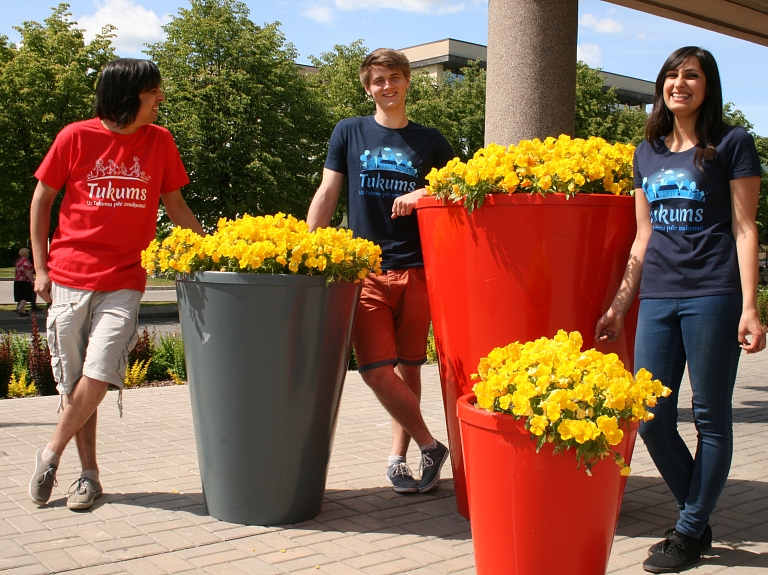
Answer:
(151, 520)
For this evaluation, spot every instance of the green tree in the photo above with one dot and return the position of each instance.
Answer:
(250, 129)
(338, 81)
(453, 104)
(46, 82)
(736, 117)
(598, 112)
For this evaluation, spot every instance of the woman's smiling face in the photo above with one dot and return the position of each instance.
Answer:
(685, 88)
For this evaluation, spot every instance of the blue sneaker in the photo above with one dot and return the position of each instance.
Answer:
(432, 461)
(399, 474)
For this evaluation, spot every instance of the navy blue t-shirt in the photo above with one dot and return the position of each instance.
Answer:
(381, 164)
(692, 251)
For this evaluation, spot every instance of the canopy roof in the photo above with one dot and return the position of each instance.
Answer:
(745, 19)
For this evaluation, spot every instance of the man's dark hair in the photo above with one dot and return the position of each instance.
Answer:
(710, 120)
(118, 88)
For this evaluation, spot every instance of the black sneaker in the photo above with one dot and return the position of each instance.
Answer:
(678, 552)
(432, 461)
(399, 474)
(43, 480)
(705, 541)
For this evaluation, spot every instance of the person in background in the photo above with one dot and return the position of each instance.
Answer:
(115, 168)
(385, 158)
(23, 282)
(694, 262)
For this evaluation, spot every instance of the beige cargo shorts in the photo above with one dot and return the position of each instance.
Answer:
(90, 333)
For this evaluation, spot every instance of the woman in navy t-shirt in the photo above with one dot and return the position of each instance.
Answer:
(694, 262)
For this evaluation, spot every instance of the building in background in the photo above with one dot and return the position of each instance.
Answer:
(451, 55)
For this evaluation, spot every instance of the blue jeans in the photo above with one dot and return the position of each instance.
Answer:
(704, 332)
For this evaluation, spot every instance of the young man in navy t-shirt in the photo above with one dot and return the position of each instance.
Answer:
(385, 159)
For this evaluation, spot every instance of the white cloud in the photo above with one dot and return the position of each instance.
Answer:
(136, 25)
(420, 6)
(601, 25)
(590, 54)
(319, 13)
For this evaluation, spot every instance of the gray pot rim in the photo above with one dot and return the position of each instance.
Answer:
(214, 277)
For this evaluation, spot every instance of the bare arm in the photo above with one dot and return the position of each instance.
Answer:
(40, 225)
(179, 213)
(744, 199)
(611, 323)
(325, 200)
(404, 204)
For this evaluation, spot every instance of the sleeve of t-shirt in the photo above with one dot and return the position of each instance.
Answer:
(174, 175)
(742, 158)
(637, 179)
(54, 169)
(336, 160)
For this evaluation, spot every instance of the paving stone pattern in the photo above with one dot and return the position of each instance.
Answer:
(151, 518)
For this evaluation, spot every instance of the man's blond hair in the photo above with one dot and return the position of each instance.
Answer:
(387, 58)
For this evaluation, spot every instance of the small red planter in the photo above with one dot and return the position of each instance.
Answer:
(519, 268)
(536, 512)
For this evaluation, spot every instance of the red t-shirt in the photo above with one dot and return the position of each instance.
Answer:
(109, 212)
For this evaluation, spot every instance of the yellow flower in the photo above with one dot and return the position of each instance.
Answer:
(569, 397)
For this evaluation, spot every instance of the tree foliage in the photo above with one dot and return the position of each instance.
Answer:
(46, 82)
(598, 112)
(455, 105)
(736, 117)
(338, 81)
(250, 130)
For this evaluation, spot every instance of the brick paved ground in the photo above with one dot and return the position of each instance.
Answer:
(151, 520)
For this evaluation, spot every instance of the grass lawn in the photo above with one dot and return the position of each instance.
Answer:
(7, 272)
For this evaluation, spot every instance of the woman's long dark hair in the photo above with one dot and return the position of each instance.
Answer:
(710, 121)
(118, 88)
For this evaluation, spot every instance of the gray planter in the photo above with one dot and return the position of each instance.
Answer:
(266, 360)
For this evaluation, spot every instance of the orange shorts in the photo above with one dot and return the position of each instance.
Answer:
(392, 322)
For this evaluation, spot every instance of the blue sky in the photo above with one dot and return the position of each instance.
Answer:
(613, 38)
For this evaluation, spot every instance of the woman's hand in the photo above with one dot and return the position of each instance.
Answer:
(750, 325)
(609, 326)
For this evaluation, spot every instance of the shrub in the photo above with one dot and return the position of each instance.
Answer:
(6, 362)
(19, 388)
(20, 353)
(136, 375)
(431, 349)
(39, 362)
(144, 348)
(169, 357)
(762, 304)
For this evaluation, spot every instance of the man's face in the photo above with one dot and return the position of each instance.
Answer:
(387, 87)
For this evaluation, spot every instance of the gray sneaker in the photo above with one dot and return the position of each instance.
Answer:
(43, 480)
(399, 474)
(432, 462)
(84, 493)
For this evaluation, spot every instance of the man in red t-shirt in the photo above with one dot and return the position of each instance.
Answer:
(114, 168)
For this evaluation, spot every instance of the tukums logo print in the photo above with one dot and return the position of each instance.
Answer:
(104, 194)
(113, 170)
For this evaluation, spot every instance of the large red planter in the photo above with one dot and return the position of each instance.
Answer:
(519, 268)
(536, 512)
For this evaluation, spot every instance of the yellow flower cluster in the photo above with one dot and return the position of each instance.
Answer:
(564, 165)
(570, 398)
(276, 244)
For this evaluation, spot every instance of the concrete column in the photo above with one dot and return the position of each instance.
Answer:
(531, 86)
